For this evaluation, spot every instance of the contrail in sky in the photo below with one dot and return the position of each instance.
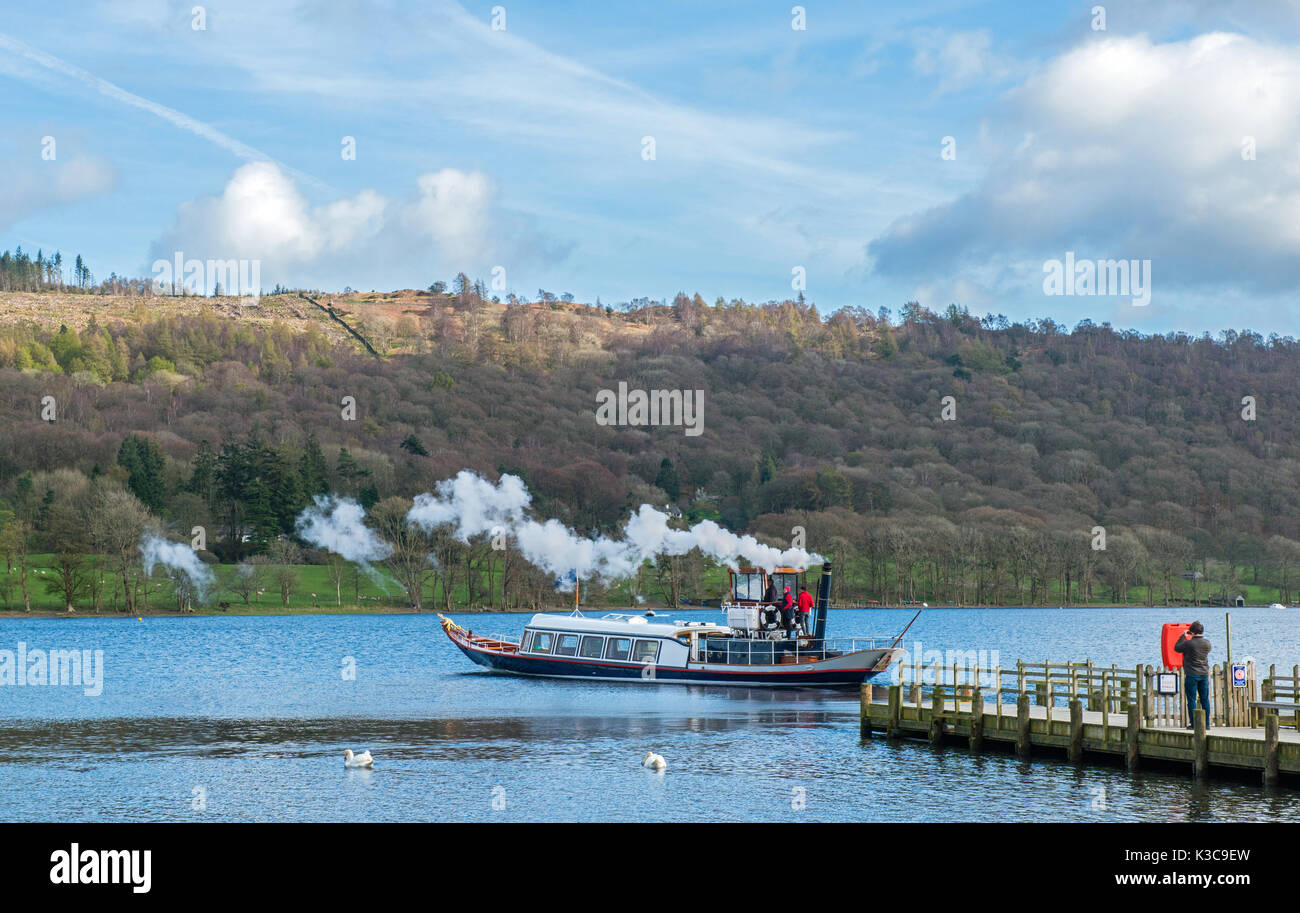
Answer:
(171, 115)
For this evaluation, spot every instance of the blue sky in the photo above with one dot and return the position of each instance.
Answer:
(775, 148)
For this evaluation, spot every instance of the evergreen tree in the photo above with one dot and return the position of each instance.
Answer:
(667, 479)
(412, 444)
(313, 471)
(203, 474)
(144, 462)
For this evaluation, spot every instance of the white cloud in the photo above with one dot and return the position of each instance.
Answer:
(32, 184)
(959, 59)
(1124, 147)
(453, 210)
(451, 223)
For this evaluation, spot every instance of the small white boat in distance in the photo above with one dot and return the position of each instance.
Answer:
(353, 761)
(1277, 605)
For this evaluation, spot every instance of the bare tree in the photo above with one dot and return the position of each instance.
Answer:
(337, 567)
(118, 521)
(284, 556)
(409, 560)
(247, 578)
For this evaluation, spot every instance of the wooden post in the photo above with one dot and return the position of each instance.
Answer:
(1105, 708)
(1146, 697)
(864, 706)
(895, 711)
(1040, 693)
(997, 693)
(1131, 737)
(936, 716)
(1076, 730)
(1270, 747)
(1200, 745)
(977, 719)
(1022, 725)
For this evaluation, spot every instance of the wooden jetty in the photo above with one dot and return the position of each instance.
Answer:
(1084, 710)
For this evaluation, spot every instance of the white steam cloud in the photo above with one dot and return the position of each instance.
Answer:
(178, 557)
(338, 524)
(474, 506)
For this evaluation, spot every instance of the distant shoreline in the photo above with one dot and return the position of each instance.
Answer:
(253, 611)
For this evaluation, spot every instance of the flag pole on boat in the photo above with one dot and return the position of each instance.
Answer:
(909, 624)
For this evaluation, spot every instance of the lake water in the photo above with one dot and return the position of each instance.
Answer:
(246, 719)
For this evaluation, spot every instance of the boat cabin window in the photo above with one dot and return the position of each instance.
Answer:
(543, 641)
(647, 651)
(524, 641)
(783, 580)
(567, 645)
(747, 587)
(592, 647)
(619, 648)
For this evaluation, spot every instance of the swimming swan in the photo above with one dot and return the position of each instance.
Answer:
(358, 760)
(654, 761)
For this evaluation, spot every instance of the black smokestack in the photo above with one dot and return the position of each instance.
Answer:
(823, 602)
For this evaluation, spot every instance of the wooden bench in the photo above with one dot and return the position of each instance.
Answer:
(1280, 693)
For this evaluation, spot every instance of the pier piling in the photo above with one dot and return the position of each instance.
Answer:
(936, 716)
(1111, 712)
(1200, 745)
(864, 705)
(1131, 748)
(1076, 730)
(1022, 725)
(895, 711)
(1271, 740)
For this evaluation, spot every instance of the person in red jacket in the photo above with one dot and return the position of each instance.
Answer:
(805, 608)
(787, 611)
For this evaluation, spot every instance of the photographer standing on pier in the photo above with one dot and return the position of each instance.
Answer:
(1196, 670)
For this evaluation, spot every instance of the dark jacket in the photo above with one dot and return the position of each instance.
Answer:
(1196, 655)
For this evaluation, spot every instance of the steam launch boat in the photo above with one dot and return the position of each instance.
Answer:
(753, 648)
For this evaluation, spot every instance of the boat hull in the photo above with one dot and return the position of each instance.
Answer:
(847, 671)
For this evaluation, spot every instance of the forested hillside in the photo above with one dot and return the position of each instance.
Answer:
(231, 420)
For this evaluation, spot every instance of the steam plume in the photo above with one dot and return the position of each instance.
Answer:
(473, 506)
(178, 557)
(338, 524)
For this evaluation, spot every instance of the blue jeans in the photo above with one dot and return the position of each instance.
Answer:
(1197, 685)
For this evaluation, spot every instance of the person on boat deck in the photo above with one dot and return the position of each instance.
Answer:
(769, 599)
(805, 608)
(787, 610)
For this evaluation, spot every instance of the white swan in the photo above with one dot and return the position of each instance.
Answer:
(358, 760)
(1277, 605)
(654, 761)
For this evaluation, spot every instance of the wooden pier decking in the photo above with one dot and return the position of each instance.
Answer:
(1122, 718)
